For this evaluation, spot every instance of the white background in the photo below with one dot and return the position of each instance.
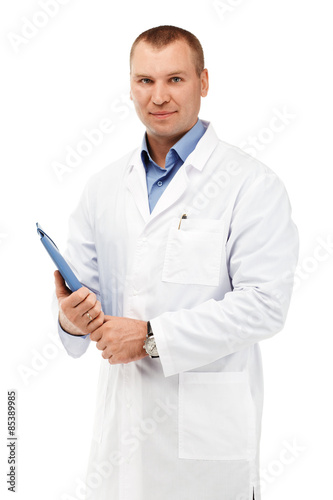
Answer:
(263, 56)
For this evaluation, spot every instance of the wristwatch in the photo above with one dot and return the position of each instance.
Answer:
(150, 344)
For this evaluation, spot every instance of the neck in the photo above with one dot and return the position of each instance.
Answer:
(159, 148)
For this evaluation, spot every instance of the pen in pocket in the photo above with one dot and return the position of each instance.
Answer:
(184, 216)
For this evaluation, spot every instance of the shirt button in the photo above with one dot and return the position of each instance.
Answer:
(160, 183)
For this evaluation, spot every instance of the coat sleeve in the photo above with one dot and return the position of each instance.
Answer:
(262, 253)
(82, 257)
(74, 345)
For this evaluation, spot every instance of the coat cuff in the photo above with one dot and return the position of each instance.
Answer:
(163, 348)
(75, 346)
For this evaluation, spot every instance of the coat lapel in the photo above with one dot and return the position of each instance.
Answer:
(137, 184)
(172, 193)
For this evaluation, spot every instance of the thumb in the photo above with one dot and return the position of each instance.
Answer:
(61, 289)
(107, 318)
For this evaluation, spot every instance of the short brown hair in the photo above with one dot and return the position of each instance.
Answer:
(164, 35)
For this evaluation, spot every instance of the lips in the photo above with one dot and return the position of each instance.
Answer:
(163, 114)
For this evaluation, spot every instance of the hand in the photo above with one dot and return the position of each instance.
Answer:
(121, 339)
(74, 306)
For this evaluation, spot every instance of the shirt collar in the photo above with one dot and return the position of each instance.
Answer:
(183, 147)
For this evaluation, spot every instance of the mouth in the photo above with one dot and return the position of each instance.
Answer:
(162, 115)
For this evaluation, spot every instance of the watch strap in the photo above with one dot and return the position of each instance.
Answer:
(149, 329)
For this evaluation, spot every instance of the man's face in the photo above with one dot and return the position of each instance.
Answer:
(166, 90)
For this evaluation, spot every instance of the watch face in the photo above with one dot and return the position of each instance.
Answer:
(151, 347)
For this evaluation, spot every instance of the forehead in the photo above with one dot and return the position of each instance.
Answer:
(177, 56)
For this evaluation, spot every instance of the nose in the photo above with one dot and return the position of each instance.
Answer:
(160, 94)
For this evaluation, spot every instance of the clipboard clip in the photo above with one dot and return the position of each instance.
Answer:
(42, 233)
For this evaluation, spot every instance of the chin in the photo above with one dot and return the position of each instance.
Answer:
(166, 129)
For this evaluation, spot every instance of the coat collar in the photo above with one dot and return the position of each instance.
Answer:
(135, 179)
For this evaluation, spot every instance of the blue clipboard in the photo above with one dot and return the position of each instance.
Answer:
(53, 251)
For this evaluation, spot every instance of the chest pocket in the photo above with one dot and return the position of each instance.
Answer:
(194, 252)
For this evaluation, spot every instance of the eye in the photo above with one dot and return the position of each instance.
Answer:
(176, 79)
(145, 80)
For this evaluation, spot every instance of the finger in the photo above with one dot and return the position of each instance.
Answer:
(107, 354)
(70, 307)
(88, 316)
(61, 289)
(97, 334)
(83, 301)
(101, 345)
(78, 297)
(94, 311)
(95, 323)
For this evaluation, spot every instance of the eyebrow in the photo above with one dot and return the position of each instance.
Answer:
(181, 72)
(143, 75)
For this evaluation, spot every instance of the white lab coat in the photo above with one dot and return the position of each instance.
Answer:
(185, 426)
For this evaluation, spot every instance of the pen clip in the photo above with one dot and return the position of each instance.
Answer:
(184, 216)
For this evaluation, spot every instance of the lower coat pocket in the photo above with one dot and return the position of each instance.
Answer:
(216, 416)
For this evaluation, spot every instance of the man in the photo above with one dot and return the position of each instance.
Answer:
(187, 250)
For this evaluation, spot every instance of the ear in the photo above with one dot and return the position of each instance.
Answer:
(204, 83)
(131, 95)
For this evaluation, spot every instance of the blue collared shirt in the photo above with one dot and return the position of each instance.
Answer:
(158, 178)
